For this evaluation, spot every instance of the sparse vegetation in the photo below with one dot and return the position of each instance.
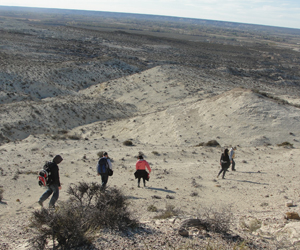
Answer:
(152, 208)
(251, 226)
(155, 153)
(285, 144)
(73, 224)
(169, 212)
(217, 220)
(1, 194)
(128, 143)
(100, 154)
(211, 143)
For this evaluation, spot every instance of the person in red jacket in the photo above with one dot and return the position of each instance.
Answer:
(141, 172)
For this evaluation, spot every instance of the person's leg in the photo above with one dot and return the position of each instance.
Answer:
(55, 195)
(220, 172)
(45, 196)
(139, 180)
(224, 172)
(144, 180)
(104, 178)
(233, 165)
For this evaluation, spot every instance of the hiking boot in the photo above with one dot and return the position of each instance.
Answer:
(40, 203)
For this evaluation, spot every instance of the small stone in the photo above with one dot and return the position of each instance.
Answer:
(292, 216)
(289, 203)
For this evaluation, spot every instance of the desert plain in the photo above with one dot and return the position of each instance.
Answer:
(77, 90)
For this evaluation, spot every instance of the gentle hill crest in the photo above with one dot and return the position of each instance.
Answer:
(236, 117)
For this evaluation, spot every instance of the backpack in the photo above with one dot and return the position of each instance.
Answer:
(45, 177)
(102, 166)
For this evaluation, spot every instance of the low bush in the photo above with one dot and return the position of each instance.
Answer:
(152, 208)
(216, 220)
(73, 224)
(128, 143)
(251, 226)
(168, 213)
(100, 154)
(286, 144)
(155, 153)
(1, 194)
(211, 143)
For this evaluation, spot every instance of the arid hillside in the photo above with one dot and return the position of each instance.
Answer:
(177, 92)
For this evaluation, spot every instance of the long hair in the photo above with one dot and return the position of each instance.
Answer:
(226, 151)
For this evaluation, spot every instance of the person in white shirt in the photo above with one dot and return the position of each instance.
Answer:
(231, 157)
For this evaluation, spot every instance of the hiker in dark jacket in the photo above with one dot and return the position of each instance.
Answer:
(104, 175)
(224, 162)
(54, 185)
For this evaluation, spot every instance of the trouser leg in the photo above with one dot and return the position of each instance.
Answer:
(220, 172)
(233, 165)
(104, 178)
(224, 172)
(45, 195)
(55, 195)
(139, 180)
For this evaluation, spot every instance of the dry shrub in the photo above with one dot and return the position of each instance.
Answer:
(217, 220)
(73, 224)
(128, 143)
(1, 194)
(251, 226)
(211, 143)
(285, 144)
(74, 137)
(152, 208)
(168, 213)
(100, 154)
(155, 153)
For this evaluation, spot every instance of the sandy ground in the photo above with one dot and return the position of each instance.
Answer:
(77, 109)
(265, 180)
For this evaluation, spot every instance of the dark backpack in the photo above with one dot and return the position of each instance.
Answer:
(45, 177)
(102, 166)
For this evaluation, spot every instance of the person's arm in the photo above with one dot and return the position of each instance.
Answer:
(230, 155)
(55, 174)
(109, 164)
(148, 166)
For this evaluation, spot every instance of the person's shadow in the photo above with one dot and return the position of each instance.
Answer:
(162, 190)
(135, 198)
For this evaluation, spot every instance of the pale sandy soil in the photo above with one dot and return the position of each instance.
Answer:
(165, 111)
(266, 176)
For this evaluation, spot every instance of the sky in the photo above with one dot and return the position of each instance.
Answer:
(281, 13)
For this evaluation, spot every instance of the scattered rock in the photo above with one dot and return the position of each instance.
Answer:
(292, 216)
(155, 197)
(289, 203)
(170, 197)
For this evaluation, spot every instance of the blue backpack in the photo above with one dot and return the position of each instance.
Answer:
(102, 166)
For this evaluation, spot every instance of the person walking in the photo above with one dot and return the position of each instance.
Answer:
(54, 184)
(141, 172)
(231, 157)
(102, 168)
(224, 162)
